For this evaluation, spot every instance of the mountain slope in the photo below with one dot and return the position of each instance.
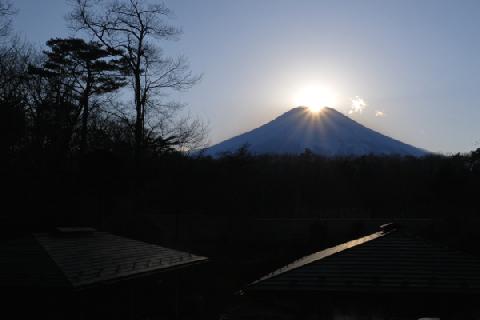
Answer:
(328, 133)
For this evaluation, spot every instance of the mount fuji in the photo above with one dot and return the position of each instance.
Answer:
(328, 133)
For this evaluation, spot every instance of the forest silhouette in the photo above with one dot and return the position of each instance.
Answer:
(88, 139)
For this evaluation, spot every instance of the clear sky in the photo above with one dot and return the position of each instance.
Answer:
(415, 63)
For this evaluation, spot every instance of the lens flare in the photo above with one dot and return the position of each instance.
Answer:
(315, 98)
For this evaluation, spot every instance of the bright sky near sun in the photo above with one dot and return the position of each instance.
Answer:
(407, 68)
(315, 97)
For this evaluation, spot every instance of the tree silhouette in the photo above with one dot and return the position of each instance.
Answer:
(130, 26)
(14, 60)
(83, 70)
(6, 11)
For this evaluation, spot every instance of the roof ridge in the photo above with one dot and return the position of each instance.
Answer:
(397, 261)
(322, 254)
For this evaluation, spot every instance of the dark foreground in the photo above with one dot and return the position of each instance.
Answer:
(248, 215)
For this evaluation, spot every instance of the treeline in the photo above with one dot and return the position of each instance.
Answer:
(309, 186)
(107, 93)
(107, 185)
(87, 135)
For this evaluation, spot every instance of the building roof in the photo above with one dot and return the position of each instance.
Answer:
(24, 263)
(385, 261)
(79, 258)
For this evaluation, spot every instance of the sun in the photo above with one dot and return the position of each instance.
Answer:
(315, 98)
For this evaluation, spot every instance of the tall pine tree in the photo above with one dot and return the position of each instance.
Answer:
(79, 71)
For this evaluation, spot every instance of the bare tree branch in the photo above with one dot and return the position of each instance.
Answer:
(6, 12)
(135, 27)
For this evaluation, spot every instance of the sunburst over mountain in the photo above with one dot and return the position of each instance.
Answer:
(328, 133)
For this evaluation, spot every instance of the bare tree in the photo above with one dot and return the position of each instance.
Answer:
(134, 27)
(6, 12)
(182, 132)
(14, 61)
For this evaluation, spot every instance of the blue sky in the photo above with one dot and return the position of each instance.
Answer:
(416, 62)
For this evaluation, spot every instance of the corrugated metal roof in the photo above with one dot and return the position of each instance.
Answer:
(101, 256)
(24, 263)
(83, 260)
(382, 261)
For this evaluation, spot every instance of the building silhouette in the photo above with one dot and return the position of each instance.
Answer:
(389, 274)
(81, 273)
